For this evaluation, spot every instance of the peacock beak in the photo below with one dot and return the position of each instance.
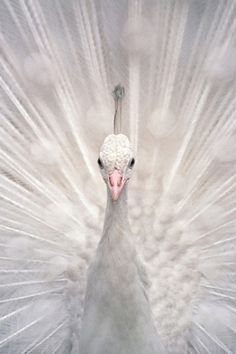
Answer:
(115, 183)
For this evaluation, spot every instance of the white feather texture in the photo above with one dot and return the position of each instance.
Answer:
(60, 61)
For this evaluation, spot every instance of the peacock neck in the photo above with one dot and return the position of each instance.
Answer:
(116, 218)
(117, 316)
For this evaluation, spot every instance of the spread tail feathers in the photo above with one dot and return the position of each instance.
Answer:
(59, 63)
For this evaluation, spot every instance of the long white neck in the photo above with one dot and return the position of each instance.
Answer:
(116, 224)
(117, 317)
(117, 211)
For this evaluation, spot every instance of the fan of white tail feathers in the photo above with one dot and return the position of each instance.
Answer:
(59, 63)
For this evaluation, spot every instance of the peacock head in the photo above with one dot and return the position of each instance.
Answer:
(116, 162)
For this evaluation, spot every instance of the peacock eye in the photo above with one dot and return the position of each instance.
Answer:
(131, 163)
(100, 163)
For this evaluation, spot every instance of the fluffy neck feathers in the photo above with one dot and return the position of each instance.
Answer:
(117, 211)
(116, 224)
(117, 316)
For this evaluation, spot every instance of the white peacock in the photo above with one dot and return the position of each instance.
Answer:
(161, 275)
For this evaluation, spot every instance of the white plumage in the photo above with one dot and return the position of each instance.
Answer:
(162, 280)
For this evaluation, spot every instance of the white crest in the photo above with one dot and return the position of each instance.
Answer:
(116, 151)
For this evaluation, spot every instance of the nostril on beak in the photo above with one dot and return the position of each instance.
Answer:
(111, 181)
(119, 182)
(115, 180)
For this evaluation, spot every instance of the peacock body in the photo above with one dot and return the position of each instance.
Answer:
(161, 275)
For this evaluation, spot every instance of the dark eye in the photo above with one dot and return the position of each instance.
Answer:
(100, 163)
(131, 163)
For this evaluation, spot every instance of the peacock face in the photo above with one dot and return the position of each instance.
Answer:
(116, 162)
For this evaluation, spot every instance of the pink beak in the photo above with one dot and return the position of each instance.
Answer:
(115, 183)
